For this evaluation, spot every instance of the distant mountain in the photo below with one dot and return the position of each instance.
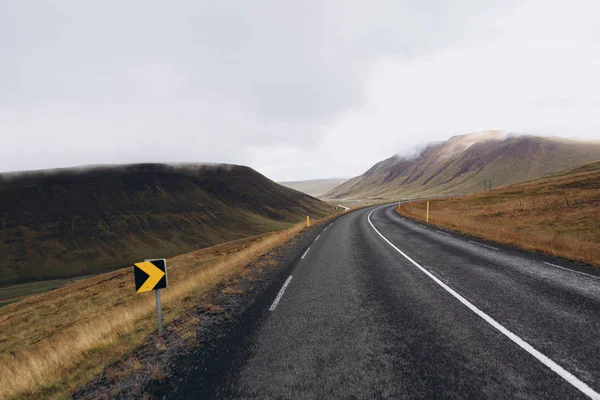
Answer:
(461, 164)
(315, 187)
(72, 222)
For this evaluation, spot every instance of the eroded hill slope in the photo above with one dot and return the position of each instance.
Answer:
(75, 222)
(461, 164)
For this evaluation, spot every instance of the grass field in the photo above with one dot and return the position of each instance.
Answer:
(12, 294)
(558, 214)
(53, 342)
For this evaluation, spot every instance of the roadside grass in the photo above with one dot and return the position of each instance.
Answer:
(14, 293)
(52, 343)
(557, 215)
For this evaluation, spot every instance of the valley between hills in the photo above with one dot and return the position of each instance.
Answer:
(232, 236)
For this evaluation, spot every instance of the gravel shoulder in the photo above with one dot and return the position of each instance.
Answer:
(196, 350)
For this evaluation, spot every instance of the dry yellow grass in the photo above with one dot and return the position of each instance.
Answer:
(558, 215)
(53, 342)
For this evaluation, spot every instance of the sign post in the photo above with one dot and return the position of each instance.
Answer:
(152, 275)
(158, 313)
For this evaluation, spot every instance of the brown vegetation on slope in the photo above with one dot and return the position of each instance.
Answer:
(461, 164)
(72, 222)
(56, 341)
(558, 215)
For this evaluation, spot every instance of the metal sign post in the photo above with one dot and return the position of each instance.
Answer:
(158, 313)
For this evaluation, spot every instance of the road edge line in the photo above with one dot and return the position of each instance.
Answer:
(571, 270)
(560, 371)
(484, 245)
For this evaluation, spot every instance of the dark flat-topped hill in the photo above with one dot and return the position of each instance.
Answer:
(78, 221)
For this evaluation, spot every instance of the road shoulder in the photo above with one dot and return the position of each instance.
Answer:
(199, 350)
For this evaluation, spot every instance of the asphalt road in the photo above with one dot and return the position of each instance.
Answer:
(382, 307)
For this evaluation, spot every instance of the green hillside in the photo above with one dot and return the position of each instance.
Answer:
(75, 222)
(461, 164)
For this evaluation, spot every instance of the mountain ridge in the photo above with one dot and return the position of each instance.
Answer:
(461, 164)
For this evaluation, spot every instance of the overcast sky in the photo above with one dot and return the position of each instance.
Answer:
(294, 89)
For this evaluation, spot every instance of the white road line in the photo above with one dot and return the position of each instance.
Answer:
(280, 294)
(317, 238)
(443, 233)
(484, 245)
(563, 373)
(325, 228)
(421, 225)
(305, 253)
(571, 270)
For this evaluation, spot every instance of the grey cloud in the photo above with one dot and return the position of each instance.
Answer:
(231, 74)
(265, 51)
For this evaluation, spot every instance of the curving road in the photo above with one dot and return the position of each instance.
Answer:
(382, 307)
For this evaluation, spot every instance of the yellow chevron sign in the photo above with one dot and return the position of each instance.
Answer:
(150, 275)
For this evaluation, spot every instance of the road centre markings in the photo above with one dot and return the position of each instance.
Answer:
(280, 294)
(317, 238)
(443, 233)
(563, 373)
